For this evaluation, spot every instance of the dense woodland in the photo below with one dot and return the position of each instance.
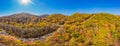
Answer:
(78, 29)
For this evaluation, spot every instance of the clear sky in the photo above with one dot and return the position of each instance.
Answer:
(66, 7)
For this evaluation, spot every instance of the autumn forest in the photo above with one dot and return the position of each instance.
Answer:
(78, 29)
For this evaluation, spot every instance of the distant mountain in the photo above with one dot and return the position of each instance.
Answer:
(22, 18)
(44, 15)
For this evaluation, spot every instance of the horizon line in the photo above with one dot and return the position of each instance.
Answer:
(54, 13)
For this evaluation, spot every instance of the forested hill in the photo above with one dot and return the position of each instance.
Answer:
(78, 29)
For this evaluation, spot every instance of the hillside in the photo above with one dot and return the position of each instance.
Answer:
(78, 29)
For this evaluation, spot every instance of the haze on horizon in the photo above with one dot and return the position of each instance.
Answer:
(59, 6)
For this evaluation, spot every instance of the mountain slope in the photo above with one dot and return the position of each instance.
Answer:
(100, 29)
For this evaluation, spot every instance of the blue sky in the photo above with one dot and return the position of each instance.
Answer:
(66, 7)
